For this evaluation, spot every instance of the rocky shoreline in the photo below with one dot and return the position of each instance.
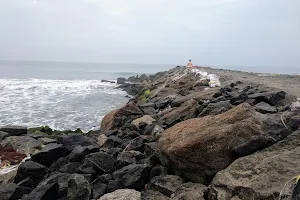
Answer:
(180, 138)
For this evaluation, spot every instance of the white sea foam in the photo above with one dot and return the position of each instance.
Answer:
(61, 104)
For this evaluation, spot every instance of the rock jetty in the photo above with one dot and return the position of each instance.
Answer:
(187, 134)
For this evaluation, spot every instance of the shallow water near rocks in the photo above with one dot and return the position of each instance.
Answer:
(61, 104)
(61, 95)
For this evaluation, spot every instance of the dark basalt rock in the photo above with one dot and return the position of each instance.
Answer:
(216, 108)
(12, 191)
(133, 176)
(166, 184)
(35, 171)
(158, 170)
(113, 141)
(72, 140)
(79, 152)
(121, 80)
(78, 188)
(70, 168)
(272, 98)
(264, 108)
(99, 163)
(129, 157)
(240, 98)
(24, 144)
(162, 104)
(49, 154)
(106, 81)
(153, 195)
(14, 130)
(255, 143)
(99, 189)
(54, 187)
(3, 135)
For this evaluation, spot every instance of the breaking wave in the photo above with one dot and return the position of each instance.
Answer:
(61, 104)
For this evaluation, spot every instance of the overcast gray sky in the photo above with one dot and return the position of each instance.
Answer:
(210, 32)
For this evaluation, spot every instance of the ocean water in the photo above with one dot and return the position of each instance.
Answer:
(62, 95)
(71, 95)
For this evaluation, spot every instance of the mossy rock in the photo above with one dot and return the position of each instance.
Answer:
(78, 131)
(65, 132)
(41, 129)
(93, 133)
(38, 132)
(145, 95)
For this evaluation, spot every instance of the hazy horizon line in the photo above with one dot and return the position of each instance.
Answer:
(129, 63)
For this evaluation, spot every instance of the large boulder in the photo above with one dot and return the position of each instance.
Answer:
(70, 141)
(54, 187)
(128, 130)
(197, 96)
(107, 81)
(153, 195)
(216, 108)
(186, 111)
(113, 141)
(157, 131)
(131, 88)
(46, 140)
(43, 130)
(59, 163)
(107, 122)
(148, 108)
(132, 78)
(121, 80)
(3, 135)
(292, 119)
(22, 144)
(98, 163)
(133, 176)
(238, 98)
(79, 152)
(158, 170)
(102, 139)
(99, 189)
(261, 175)
(49, 154)
(190, 191)
(161, 104)
(7, 191)
(14, 130)
(165, 184)
(100, 185)
(71, 167)
(145, 119)
(32, 170)
(198, 148)
(117, 118)
(12, 191)
(78, 188)
(7, 178)
(253, 144)
(129, 157)
(264, 108)
(122, 194)
(273, 98)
